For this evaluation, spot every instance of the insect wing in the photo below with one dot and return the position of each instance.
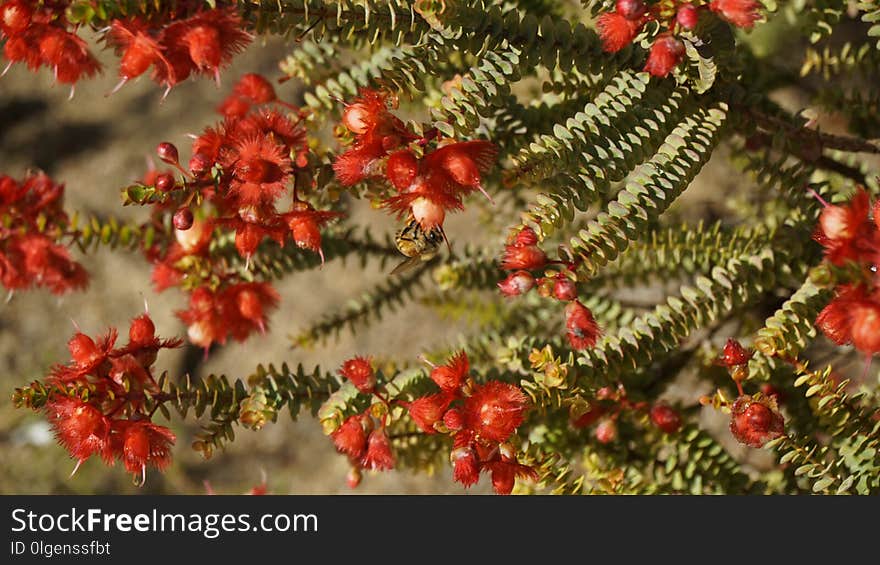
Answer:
(407, 265)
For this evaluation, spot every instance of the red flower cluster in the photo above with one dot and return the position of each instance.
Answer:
(362, 437)
(522, 254)
(480, 417)
(609, 404)
(242, 167)
(176, 44)
(97, 403)
(236, 310)
(428, 182)
(203, 43)
(37, 34)
(32, 222)
(620, 27)
(849, 236)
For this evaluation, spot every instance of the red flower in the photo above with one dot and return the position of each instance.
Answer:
(67, 54)
(428, 410)
(254, 224)
(847, 233)
(255, 88)
(141, 443)
(665, 54)
(866, 327)
(581, 328)
(143, 343)
(463, 162)
(505, 471)
(369, 113)
(305, 225)
(733, 354)
(204, 318)
(616, 31)
(835, 319)
(360, 372)
(741, 13)
(495, 410)
(209, 40)
(15, 17)
(755, 421)
(524, 237)
(250, 89)
(665, 418)
(138, 49)
(465, 466)
(378, 455)
(517, 283)
(79, 427)
(446, 174)
(356, 164)
(34, 259)
(876, 213)
(451, 376)
(350, 438)
(86, 356)
(852, 316)
(234, 106)
(454, 419)
(260, 169)
(401, 169)
(527, 257)
(244, 306)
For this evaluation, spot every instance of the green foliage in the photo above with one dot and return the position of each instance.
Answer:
(595, 154)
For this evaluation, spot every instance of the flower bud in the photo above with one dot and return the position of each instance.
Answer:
(168, 153)
(517, 283)
(526, 257)
(606, 431)
(142, 330)
(565, 289)
(526, 236)
(360, 372)
(358, 118)
(466, 467)
(687, 16)
(353, 478)
(165, 182)
(630, 9)
(665, 418)
(183, 219)
(733, 354)
(15, 17)
(754, 422)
